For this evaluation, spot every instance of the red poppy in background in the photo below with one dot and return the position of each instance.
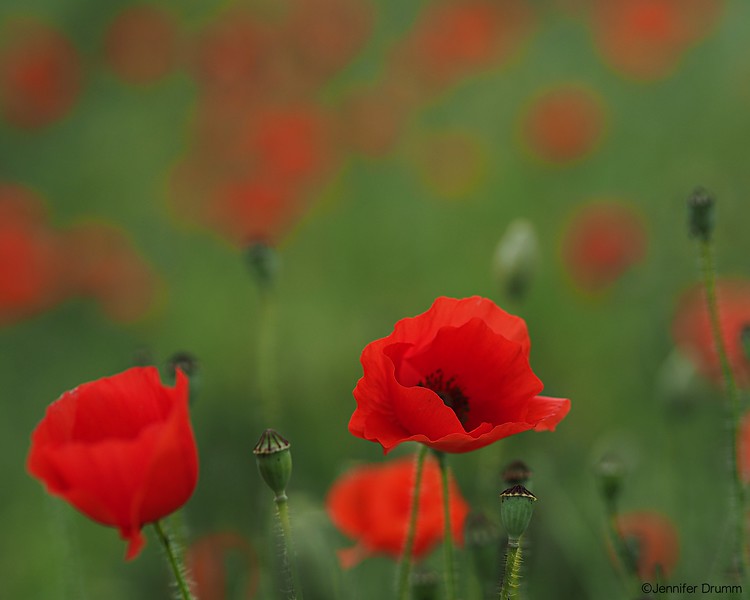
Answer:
(141, 44)
(207, 559)
(30, 261)
(372, 504)
(646, 39)
(564, 124)
(454, 378)
(451, 40)
(120, 449)
(602, 241)
(103, 263)
(655, 541)
(692, 332)
(40, 74)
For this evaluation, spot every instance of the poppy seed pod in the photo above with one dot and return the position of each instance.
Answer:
(274, 460)
(516, 508)
(515, 258)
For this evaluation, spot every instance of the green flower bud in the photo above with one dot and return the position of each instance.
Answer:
(701, 214)
(274, 461)
(515, 258)
(263, 263)
(610, 471)
(516, 508)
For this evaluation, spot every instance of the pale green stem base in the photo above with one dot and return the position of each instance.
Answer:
(512, 576)
(404, 565)
(739, 552)
(449, 568)
(282, 511)
(175, 561)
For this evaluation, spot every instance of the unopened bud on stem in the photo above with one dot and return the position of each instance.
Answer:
(701, 214)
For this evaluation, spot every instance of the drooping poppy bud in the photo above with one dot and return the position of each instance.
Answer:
(515, 258)
(701, 214)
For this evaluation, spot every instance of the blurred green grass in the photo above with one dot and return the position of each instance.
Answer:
(377, 246)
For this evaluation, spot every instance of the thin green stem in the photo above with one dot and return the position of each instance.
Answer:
(449, 568)
(175, 561)
(282, 511)
(512, 576)
(628, 562)
(735, 409)
(404, 565)
(269, 397)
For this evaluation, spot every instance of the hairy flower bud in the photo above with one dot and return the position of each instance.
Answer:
(701, 213)
(515, 258)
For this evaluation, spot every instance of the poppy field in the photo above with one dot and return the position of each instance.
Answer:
(372, 299)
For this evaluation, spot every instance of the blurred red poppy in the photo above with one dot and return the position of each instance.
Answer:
(601, 242)
(654, 540)
(141, 44)
(454, 378)
(451, 40)
(372, 504)
(102, 263)
(120, 449)
(207, 559)
(645, 39)
(564, 124)
(30, 260)
(40, 74)
(691, 328)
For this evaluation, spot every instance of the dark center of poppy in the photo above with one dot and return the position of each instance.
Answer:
(449, 392)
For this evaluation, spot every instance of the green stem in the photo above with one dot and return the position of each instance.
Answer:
(512, 576)
(175, 561)
(404, 565)
(735, 409)
(269, 397)
(449, 569)
(282, 511)
(628, 562)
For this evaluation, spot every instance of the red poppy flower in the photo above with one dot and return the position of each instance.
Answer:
(372, 504)
(564, 124)
(141, 44)
(207, 560)
(602, 241)
(40, 74)
(692, 328)
(119, 449)
(455, 378)
(655, 541)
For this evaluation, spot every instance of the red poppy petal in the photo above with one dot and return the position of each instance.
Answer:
(135, 540)
(546, 412)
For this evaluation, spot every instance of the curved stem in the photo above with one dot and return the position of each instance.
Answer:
(448, 561)
(175, 561)
(735, 410)
(404, 565)
(282, 511)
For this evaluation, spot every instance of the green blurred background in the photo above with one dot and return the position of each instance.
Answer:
(380, 237)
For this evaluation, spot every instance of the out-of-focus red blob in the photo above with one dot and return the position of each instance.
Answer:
(102, 263)
(290, 142)
(645, 39)
(325, 35)
(206, 561)
(451, 163)
(40, 74)
(141, 44)
(230, 53)
(601, 242)
(454, 39)
(30, 262)
(256, 209)
(655, 540)
(564, 124)
(372, 504)
(692, 328)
